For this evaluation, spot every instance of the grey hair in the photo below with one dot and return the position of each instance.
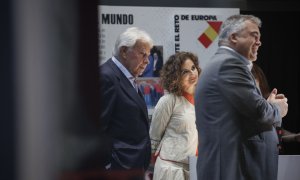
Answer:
(235, 24)
(129, 39)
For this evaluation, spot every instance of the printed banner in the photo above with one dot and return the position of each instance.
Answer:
(172, 29)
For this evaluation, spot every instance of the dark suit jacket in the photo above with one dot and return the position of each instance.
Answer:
(124, 119)
(235, 123)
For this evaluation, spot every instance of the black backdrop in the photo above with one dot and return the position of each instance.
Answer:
(279, 58)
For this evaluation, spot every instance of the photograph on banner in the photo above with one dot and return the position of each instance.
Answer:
(152, 90)
(149, 81)
(155, 62)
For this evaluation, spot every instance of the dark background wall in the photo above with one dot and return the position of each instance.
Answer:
(278, 57)
(7, 119)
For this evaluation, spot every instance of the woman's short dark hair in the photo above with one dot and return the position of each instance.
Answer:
(260, 76)
(171, 73)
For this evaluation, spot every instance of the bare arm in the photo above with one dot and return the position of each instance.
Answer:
(290, 137)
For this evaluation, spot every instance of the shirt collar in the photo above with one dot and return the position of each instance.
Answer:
(124, 71)
(249, 65)
(122, 68)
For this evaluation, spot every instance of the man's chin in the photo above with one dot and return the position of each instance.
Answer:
(253, 58)
(141, 71)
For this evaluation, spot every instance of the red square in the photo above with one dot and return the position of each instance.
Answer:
(204, 40)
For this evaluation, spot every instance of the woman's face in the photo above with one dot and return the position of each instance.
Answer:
(189, 75)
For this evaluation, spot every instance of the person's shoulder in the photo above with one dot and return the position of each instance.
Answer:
(106, 67)
(227, 58)
(106, 63)
(167, 101)
(169, 98)
(107, 72)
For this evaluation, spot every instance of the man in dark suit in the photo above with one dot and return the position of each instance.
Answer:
(237, 139)
(124, 117)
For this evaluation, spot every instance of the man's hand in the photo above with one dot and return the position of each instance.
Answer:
(148, 175)
(280, 100)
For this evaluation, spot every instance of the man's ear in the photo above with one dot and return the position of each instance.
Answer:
(233, 38)
(123, 52)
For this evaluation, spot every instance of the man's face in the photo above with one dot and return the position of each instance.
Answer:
(136, 58)
(248, 41)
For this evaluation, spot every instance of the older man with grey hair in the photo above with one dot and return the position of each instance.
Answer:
(124, 117)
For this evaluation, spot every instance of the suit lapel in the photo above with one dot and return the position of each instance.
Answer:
(140, 93)
(129, 89)
(226, 51)
(137, 97)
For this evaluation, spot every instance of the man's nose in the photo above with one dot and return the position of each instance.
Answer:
(258, 42)
(146, 60)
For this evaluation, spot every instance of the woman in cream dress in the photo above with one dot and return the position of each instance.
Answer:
(173, 131)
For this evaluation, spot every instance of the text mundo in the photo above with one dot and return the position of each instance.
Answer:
(117, 19)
